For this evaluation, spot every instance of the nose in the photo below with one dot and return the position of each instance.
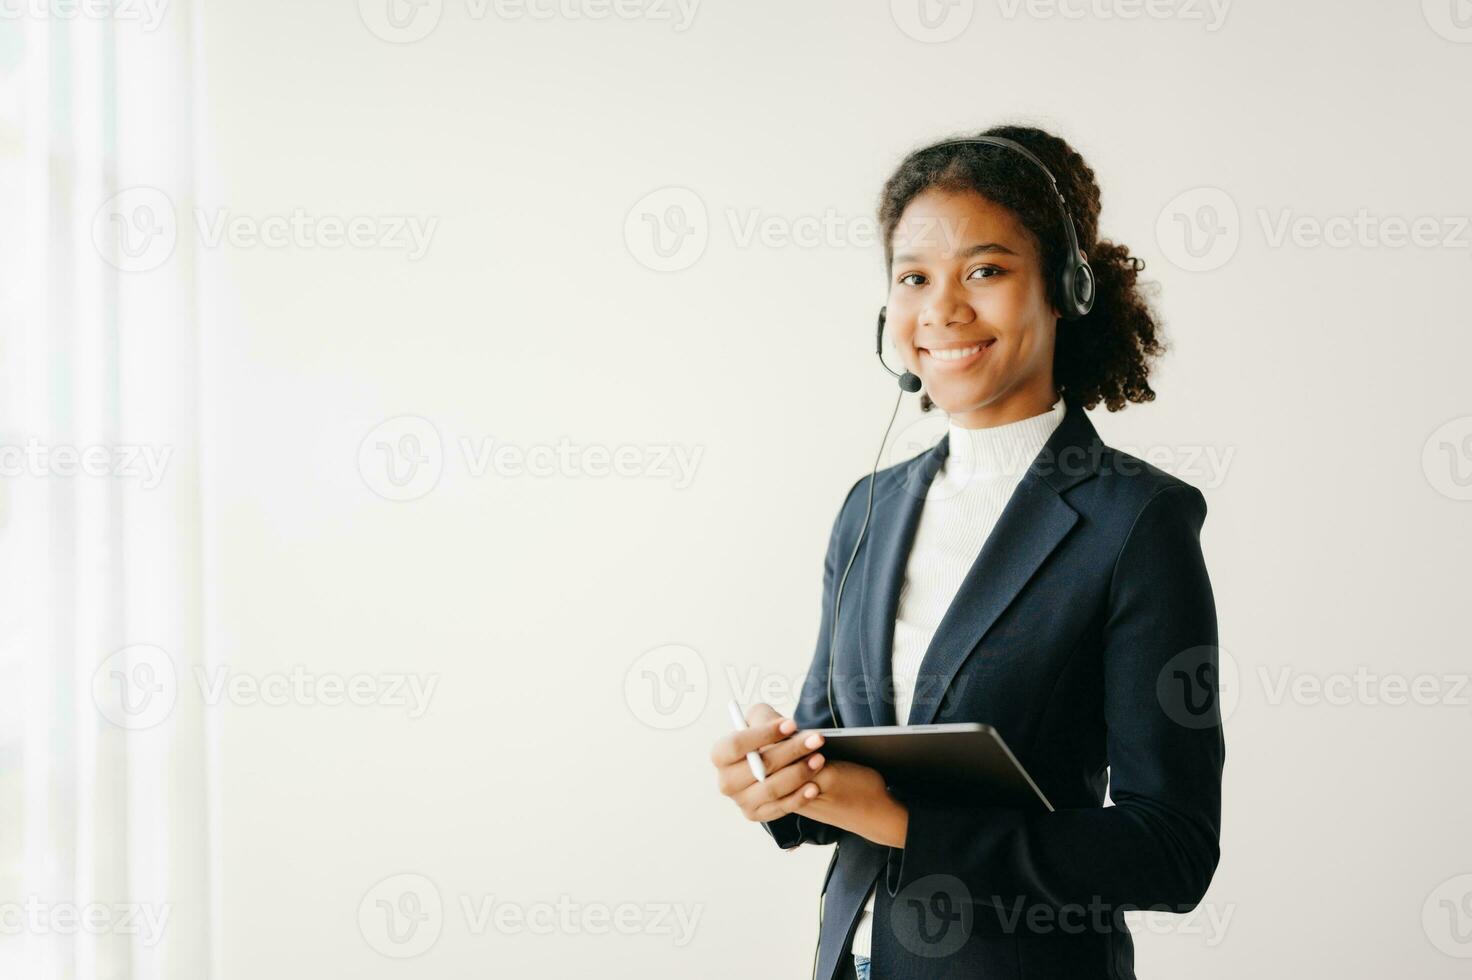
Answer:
(946, 306)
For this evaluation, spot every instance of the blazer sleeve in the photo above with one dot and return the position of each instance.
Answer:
(812, 704)
(1158, 845)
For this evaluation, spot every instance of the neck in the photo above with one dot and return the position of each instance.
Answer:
(1012, 407)
(997, 451)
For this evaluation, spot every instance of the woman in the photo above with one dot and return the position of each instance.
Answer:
(1021, 574)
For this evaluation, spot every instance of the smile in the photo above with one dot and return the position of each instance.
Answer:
(957, 356)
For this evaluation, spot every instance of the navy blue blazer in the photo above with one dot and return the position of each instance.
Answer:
(1085, 632)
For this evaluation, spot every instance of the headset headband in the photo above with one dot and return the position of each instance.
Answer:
(1078, 278)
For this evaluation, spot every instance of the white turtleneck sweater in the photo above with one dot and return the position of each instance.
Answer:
(981, 471)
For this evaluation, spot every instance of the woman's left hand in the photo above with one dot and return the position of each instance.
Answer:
(854, 798)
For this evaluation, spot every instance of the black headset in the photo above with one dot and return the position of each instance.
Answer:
(1076, 284)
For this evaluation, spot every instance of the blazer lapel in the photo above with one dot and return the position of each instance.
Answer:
(1032, 524)
(895, 518)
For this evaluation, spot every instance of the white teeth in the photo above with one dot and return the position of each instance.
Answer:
(956, 354)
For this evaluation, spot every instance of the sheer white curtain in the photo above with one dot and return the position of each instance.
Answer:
(104, 755)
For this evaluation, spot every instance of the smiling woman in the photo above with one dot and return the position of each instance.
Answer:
(1019, 574)
(974, 247)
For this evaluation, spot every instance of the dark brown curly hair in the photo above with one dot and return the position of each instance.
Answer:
(1102, 357)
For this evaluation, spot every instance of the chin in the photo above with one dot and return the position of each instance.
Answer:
(953, 402)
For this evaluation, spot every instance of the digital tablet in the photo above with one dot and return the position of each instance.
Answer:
(964, 762)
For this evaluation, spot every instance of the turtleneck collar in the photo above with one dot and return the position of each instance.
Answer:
(999, 450)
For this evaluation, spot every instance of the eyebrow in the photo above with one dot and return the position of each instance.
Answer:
(978, 249)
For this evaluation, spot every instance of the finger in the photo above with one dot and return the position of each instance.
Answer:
(733, 746)
(791, 803)
(790, 749)
(777, 785)
(761, 713)
(737, 777)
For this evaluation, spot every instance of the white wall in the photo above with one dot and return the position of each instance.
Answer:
(1316, 373)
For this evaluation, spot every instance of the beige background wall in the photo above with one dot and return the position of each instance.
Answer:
(559, 759)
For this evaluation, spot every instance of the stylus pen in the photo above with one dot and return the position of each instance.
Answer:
(753, 759)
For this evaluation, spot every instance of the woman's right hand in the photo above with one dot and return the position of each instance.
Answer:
(787, 753)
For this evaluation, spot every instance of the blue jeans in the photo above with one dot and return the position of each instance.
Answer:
(861, 966)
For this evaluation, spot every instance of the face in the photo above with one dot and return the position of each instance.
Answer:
(968, 310)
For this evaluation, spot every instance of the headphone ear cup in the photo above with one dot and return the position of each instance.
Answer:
(1078, 290)
(1083, 288)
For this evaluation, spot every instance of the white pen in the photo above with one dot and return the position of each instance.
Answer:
(753, 759)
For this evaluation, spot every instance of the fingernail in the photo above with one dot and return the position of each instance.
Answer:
(787, 727)
(811, 791)
(814, 741)
(814, 761)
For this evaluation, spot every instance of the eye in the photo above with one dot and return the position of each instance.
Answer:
(911, 275)
(996, 270)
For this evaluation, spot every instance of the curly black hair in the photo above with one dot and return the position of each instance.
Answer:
(1102, 357)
